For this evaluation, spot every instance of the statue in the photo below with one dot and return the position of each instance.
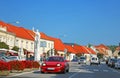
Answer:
(37, 46)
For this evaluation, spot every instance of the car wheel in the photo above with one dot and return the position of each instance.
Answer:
(42, 72)
(64, 71)
(67, 70)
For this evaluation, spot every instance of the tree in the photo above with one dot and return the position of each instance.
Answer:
(4, 45)
(112, 47)
(15, 48)
(89, 45)
(99, 55)
(119, 53)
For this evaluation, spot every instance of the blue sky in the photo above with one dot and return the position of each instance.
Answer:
(73, 21)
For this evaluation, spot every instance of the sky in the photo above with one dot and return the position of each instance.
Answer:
(73, 21)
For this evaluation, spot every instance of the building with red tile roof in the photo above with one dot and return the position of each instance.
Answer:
(70, 49)
(59, 45)
(117, 52)
(80, 49)
(102, 49)
(89, 50)
(18, 31)
(92, 51)
(24, 37)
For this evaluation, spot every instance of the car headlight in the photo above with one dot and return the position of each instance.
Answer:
(43, 64)
(58, 64)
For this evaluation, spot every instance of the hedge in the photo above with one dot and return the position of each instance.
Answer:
(4, 66)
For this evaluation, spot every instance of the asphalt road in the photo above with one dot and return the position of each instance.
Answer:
(76, 71)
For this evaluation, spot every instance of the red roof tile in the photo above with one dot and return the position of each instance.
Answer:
(44, 36)
(118, 48)
(70, 49)
(80, 49)
(102, 46)
(3, 24)
(91, 51)
(58, 44)
(102, 49)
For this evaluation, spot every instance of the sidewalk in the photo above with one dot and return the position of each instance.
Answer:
(13, 74)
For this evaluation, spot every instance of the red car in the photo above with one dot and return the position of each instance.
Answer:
(55, 64)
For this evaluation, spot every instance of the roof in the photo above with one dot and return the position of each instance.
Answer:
(18, 31)
(102, 49)
(3, 24)
(102, 46)
(91, 51)
(22, 32)
(80, 49)
(70, 49)
(44, 36)
(118, 48)
(58, 44)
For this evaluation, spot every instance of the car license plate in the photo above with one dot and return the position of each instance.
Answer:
(50, 68)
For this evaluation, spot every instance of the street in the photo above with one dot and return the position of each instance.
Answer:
(76, 71)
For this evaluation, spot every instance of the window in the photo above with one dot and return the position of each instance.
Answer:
(43, 44)
(52, 46)
(26, 45)
(31, 45)
(16, 42)
(48, 45)
(22, 44)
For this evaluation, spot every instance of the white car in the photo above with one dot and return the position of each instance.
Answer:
(117, 64)
(82, 60)
(9, 58)
(94, 60)
(13, 58)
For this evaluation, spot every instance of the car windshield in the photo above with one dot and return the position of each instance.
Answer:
(82, 58)
(94, 58)
(12, 58)
(60, 59)
(114, 60)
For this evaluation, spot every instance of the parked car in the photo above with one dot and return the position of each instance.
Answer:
(82, 60)
(55, 64)
(94, 60)
(117, 64)
(14, 58)
(111, 62)
(4, 58)
(9, 58)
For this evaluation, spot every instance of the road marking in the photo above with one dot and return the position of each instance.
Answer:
(95, 70)
(74, 74)
(114, 70)
(105, 70)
